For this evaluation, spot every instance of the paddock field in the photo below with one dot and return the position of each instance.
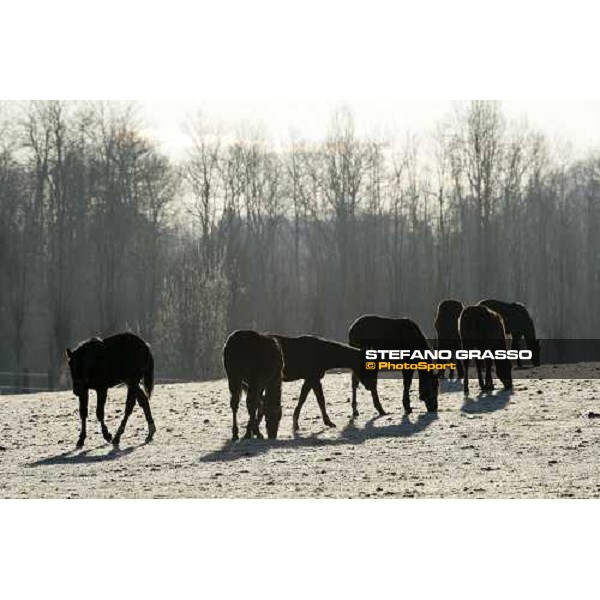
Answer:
(539, 442)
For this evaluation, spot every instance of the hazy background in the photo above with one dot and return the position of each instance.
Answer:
(184, 221)
(575, 121)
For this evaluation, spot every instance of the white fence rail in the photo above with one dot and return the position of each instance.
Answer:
(30, 382)
(23, 382)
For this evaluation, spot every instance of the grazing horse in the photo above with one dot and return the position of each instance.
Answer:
(483, 329)
(308, 357)
(446, 326)
(519, 324)
(368, 331)
(98, 364)
(254, 361)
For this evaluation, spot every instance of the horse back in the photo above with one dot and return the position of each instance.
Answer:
(482, 327)
(516, 317)
(252, 357)
(523, 322)
(446, 319)
(125, 358)
(309, 356)
(373, 328)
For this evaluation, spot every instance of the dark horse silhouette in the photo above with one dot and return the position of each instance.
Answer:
(519, 324)
(446, 326)
(404, 334)
(98, 364)
(254, 361)
(483, 329)
(308, 357)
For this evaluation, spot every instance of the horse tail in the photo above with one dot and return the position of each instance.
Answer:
(149, 376)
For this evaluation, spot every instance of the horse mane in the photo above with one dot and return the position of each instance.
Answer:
(92, 340)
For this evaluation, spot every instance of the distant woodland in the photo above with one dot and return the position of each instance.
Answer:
(101, 232)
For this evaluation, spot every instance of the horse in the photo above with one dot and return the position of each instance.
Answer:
(371, 330)
(308, 357)
(519, 324)
(483, 329)
(99, 364)
(255, 362)
(446, 326)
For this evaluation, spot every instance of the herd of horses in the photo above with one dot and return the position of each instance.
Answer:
(258, 363)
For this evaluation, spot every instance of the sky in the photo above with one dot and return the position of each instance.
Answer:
(572, 121)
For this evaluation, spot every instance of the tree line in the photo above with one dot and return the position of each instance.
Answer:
(100, 231)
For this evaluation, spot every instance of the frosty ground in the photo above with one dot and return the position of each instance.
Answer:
(540, 441)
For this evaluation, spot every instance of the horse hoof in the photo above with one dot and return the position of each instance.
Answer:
(108, 437)
(329, 423)
(150, 436)
(79, 445)
(116, 442)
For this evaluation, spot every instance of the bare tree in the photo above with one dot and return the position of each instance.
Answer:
(99, 231)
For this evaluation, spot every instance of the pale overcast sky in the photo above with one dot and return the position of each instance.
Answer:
(575, 121)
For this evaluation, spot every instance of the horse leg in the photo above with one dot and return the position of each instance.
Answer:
(252, 401)
(460, 371)
(376, 402)
(83, 414)
(489, 383)
(236, 390)
(129, 406)
(318, 388)
(100, 404)
(516, 342)
(442, 374)
(479, 375)
(306, 387)
(354, 389)
(144, 403)
(260, 413)
(407, 377)
(466, 377)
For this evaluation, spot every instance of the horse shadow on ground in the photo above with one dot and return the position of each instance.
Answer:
(349, 435)
(486, 402)
(74, 457)
(450, 385)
